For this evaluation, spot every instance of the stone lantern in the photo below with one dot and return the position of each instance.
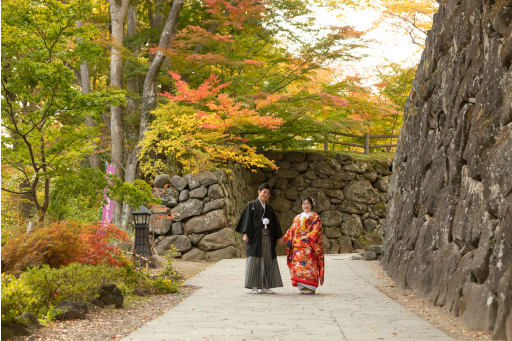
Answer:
(141, 220)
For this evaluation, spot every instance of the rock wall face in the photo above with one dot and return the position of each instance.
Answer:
(198, 213)
(448, 232)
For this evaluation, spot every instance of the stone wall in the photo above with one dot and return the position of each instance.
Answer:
(448, 233)
(199, 212)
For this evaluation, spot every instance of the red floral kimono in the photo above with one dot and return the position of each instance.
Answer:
(305, 257)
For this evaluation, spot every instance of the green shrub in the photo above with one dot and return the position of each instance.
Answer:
(39, 289)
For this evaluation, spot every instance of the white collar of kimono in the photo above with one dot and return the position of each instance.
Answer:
(305, 215)
(262, 204)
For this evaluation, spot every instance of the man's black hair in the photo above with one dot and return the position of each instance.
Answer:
(264, 186)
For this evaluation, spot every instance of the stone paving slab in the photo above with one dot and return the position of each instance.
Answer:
(348, 307)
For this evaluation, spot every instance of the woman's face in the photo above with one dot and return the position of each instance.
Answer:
(306, 206)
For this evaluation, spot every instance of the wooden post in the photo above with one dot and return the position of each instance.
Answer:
(326, 142)
(366, 143)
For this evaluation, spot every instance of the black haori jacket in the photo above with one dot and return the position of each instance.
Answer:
(251, 223)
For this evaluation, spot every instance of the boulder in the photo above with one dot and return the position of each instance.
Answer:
(178, 182)
(28, 320)
(217, 240)
(225, 253)
(176, 228)
(357, 167)
(181, 243)
(310, 175)
(291, 194)
(295, 157)
(162, 180)
(370, 225)
(215, 192)
(353, 207)
(301, 166)
(192, 181)
(207, 178)
(211, 221)
(109, 294)
(214, 205)
(332, 232)
(169, 196)
(321, 183)
(370, 176)
(189, 208)
(479, 307)
(194, 255)
(346, 244)
(198, 193)
(281, 184)
(361, 191)
(184, 195)
(287, 174)
(335, 193)
(375, 248)
(68, 310)
(281, 204)
(331, 218)
(379, 209)
(383, 184)
(352, 225)
(369, 255)
(195, 238)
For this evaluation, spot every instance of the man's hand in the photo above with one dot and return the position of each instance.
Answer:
(245, 238)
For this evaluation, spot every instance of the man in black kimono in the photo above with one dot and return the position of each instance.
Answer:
(260, 231)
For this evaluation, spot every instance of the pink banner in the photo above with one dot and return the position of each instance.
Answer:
(107, 210)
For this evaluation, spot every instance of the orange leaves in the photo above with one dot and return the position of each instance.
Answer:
(218, 110)
(235, 13)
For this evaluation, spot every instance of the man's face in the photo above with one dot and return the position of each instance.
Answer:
(264, 195)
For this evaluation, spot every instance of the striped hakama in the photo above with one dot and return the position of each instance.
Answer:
(263, 272)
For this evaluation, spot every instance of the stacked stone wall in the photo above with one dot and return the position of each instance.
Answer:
(198, 213)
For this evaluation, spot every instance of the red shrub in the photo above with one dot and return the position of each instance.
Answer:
(59, 244)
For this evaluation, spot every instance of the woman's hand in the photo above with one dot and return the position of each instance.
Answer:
(245, 238)
(280, 241)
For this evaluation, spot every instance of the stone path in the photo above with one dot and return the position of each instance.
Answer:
(348, 307)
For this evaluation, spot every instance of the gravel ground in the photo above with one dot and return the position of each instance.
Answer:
(437, 316)
(111, 323)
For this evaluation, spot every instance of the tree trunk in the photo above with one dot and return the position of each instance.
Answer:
(118, 12)
(132, 105)
(94, 159)
(149, 91)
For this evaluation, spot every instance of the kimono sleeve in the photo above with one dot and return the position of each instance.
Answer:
(244, 224)
(316, 230)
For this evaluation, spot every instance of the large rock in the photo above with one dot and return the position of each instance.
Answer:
(346, 244)
(383, 184)
(357, 167)
(176, 228)
(109, 294)
(195, 238)
(287, 173)
(192, 181)
(215, 192)
(331, 218)
(479, 307)
(352, 225)
(281, 204)
(178, 182)
(217, 240)
(332, 232)
(181, 243)
(183, 195)
(211, 221)
(161, 181)
(68, 310)
(226, 253)
(187, 209)
(198, 193)
(207, 178)
(361, 191)
(194, 255)
(169, 196)
(214, 205)
(335, 193)
(353, 207)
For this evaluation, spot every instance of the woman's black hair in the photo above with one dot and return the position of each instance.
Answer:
(264, 186)
(311, 201)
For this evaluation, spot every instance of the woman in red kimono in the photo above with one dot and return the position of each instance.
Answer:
(305, 250)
